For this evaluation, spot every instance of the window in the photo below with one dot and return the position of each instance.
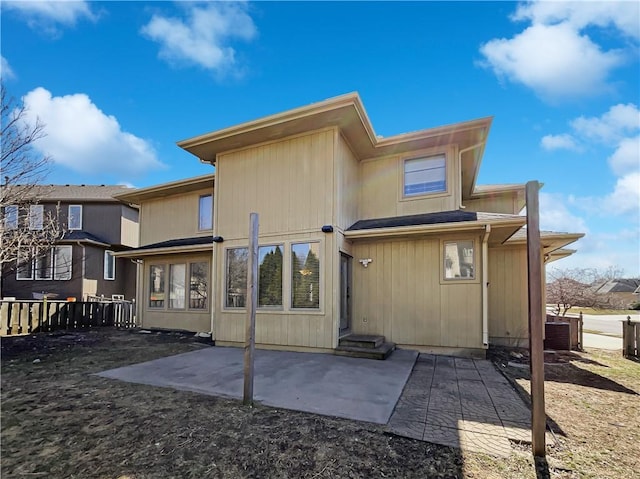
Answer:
(62, 262)
(269, 276)
(305, 275)
(177, 274)
(44, 264)
(36, 217)
(425, 175)
(236, 284)
(459, 260)
(109, 265)
(75, 217)
(25, 264)
(198, 286)
(205, 213)
(156, 286)
(11, 217)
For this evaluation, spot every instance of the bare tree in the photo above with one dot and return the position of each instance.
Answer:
(578, 287)
(25, 230)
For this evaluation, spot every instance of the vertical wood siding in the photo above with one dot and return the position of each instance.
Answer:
(401, 295)
(508, 300)
(381, 192)
(348, 182)
(173, 217)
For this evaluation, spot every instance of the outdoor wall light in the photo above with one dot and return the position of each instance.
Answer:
(218, 239)
(327, 229)
(365, 262)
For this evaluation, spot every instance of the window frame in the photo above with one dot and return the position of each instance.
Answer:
(36, 220)
(36, 267)
(70, 216)
(207, 270)
(30, 263)
(209, 224)
(320, 278)
(474, 278)
(11, 215)
(109, 254)
(173, 295)
(274, 307)
(431, 156)
(225, 302)
(68, 275)
(163, 267)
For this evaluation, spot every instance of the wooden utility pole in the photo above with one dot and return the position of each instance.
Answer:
(536, 347)
(252, 300)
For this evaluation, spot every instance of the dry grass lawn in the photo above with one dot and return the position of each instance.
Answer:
(60, 421)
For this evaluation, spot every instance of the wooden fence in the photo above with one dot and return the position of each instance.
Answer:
(25, 317)
(630, 338)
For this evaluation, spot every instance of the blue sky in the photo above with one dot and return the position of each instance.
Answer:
(119, 83)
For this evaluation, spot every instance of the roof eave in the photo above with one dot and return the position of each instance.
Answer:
(138, 253)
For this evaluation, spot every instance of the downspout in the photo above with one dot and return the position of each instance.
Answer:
(460, 152)
(485, 286)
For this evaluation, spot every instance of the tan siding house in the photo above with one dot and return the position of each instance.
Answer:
(359, 234)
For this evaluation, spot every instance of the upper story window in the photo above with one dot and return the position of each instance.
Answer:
(75, 217)
(423, 176)
(205, 213)
(11, 217)
(36, 217)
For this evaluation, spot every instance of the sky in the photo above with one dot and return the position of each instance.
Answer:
(117, 84)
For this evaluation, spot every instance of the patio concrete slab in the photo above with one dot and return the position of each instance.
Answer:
(469, 405)
(352, 388)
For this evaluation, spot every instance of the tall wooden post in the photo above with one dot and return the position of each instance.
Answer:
(536, 348)
(252, 300)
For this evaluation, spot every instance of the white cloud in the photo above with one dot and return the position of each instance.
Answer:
(556, 216)
(559, 142)
(619, 121)
(626, 158)
(6, 71)
(81, 137)
(553, 60)
(622, 15)
(625, 198)
(203, 37)
(46, 15)
(555, 57)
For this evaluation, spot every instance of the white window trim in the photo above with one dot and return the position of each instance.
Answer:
(11, 217)
(36, 268)
(164, 290)
(172, 268)
(36, 220)
(226, 277)
(69, 216)
(57, 275)
(109, 254)
(277, 307)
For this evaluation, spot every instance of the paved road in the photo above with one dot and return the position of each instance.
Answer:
(599, 341)
(609, 324)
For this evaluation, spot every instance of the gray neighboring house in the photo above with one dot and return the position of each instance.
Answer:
(81, 263)
(621, 292)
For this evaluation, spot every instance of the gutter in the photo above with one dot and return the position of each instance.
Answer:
(485, 286)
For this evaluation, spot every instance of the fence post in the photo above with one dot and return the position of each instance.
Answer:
(580, 326)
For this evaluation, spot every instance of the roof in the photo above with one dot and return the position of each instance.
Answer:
(174, 187)
(551, 240)
(79, 193)
(178, 245)
(620, 285)
(347, 113)
(501, 226)
(413, 220)
(82, 237)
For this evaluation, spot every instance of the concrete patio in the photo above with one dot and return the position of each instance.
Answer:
(456, 402)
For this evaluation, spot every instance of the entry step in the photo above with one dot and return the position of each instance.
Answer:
(364, 346)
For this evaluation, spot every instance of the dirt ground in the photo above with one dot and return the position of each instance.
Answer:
(60, 421)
